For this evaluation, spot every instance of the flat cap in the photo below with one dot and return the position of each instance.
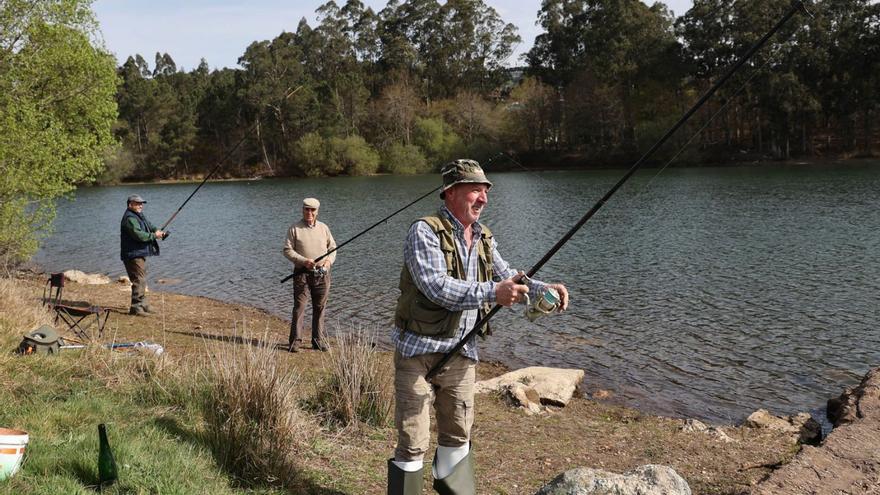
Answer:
(134, 198)
(311, 203)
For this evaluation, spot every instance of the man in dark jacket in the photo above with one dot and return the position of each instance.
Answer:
(138, 240)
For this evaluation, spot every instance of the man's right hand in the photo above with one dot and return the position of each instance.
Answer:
(309, 264)
(508, 292)
(159, 234)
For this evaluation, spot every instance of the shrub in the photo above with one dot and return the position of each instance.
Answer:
(353, 155)
(438, 141)
(312, 153)
(404, 159)
(358, 386)
(254, 427)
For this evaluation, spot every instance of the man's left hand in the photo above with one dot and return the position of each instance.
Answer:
(563, 296)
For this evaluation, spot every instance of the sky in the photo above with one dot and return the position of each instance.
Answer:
(220, 30)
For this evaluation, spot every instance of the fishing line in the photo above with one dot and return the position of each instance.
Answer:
(220, 163)
(795, 6)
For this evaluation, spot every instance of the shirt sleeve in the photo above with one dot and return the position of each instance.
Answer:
(289, 251)
(425, 262)
(133, 229)
(331, 245)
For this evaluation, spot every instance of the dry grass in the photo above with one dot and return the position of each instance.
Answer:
(20, 314)
(254, 427)
(357, 388)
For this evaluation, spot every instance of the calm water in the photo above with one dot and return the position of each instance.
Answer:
(698, 292)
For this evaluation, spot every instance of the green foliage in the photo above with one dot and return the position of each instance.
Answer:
(353, 155)
(404, 159)
(56, 113)
(437, 139)
(312, 156)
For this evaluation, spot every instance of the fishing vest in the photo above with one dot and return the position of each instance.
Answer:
(418, 314)
(129, 246)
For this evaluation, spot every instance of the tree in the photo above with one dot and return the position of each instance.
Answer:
(56, 113)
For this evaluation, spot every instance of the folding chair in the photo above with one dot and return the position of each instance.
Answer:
(79, 319)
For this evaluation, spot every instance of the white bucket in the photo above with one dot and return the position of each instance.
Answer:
(12, 443)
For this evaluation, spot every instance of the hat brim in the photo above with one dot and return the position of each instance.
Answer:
(465, 181)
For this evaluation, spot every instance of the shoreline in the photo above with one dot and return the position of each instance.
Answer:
(560, 166)
(588, 432)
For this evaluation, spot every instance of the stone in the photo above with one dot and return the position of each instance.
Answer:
(523, 396)
(123, 280)
(802, 426)
(650, 479)
(555, 386)
(86, 278)
(857, 402)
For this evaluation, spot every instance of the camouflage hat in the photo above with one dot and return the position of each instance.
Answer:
(462, 171)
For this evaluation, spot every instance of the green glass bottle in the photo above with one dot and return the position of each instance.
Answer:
(106, 464)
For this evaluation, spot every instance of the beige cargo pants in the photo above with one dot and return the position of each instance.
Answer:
(451, 393)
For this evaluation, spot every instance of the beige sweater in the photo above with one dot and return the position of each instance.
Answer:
(304, 242)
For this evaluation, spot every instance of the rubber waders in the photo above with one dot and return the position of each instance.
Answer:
(461, 481)
(402, 482)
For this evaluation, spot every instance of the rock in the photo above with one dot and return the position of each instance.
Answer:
(602, 394)
(123, 280)
(802, 425)
(555, 386)
(86, 278)
(848, 461)
(695, 426)
(523, 396)
(857, 402)
(650, 479)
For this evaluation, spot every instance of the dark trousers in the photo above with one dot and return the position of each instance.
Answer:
(137, 273)
(307, 285)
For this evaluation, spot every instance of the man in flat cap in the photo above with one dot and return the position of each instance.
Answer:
(138, 241)
(452, 273)
(307, 240)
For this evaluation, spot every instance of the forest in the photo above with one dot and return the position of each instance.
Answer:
(403, 89)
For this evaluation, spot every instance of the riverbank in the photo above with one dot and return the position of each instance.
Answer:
(516, 453)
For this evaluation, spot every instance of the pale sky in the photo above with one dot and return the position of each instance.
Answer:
(220, 30)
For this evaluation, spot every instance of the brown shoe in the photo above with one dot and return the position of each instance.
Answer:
(293, 347)
(319, 346)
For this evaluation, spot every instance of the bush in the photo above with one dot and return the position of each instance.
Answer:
(254, 427)
(438, 141)
(119, 163)
(404, 159)
(358, 388)
(311, 151)
(353, 155)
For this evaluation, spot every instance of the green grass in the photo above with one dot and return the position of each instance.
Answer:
(60, 402)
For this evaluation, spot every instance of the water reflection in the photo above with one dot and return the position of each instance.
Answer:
(700, 292)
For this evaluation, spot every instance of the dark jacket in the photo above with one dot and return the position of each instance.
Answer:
(137, 237)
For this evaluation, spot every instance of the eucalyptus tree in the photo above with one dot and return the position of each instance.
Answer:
(624, 45)
(56, 113)
(272, 72)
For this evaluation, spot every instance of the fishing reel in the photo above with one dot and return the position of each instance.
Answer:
(318, 272)
(167, 235)
(546, 303)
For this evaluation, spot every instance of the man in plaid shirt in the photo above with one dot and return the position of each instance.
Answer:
(452, 274)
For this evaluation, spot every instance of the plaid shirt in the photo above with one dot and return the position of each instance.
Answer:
(425, 262)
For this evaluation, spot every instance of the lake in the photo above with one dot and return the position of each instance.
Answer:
(705, 292)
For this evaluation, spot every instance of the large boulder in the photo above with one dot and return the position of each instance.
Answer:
(650, 479)
(86, 278)
(848, 461)
(554, 386)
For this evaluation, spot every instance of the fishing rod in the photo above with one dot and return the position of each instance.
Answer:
(371, 227)
(219, 164)
(795, 6)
